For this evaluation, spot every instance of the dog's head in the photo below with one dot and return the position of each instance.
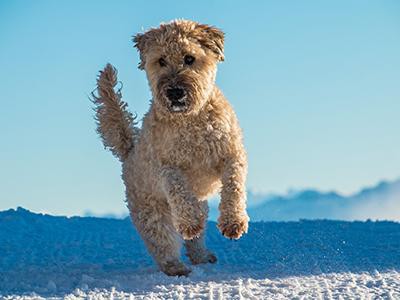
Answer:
(180, 59)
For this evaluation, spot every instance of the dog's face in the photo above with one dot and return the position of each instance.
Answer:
(180, 59)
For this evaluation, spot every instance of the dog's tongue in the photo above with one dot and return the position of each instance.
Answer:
(178, 103)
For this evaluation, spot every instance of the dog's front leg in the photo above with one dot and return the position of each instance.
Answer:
(233, 220)
(188, 215)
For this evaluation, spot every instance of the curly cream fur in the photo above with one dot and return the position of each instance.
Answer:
(178, 159)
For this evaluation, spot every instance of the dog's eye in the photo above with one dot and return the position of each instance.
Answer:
(189, 60)
(162, 62)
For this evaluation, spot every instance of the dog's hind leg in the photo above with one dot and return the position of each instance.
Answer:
(196, 248)
(197, 251)
(160, 237)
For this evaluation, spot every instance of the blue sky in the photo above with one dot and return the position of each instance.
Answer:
(315, 85)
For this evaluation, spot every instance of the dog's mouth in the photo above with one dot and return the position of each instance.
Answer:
(178, 105)
(177, 98)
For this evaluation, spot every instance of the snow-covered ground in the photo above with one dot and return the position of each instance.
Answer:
(79, 258)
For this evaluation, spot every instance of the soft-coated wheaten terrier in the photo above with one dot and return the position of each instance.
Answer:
(189, 145)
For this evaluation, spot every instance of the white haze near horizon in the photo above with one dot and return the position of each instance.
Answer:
(378, 208)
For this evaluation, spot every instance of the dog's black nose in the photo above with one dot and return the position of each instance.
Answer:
(175, 93)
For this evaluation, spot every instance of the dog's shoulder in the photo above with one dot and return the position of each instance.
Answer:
(223, 119)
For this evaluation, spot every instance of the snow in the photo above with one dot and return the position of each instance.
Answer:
(43, 256)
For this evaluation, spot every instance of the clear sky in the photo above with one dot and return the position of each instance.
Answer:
(316, 86)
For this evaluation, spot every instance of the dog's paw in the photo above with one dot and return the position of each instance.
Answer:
(175, 268)
(233, 228)
(190, 231)
(202, 258)
(191, 222)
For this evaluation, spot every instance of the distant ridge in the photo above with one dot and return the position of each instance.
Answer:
(380, 202)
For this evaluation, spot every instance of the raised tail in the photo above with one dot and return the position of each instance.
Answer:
(115, 124)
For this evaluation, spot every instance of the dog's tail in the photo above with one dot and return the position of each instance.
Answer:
(115, 123)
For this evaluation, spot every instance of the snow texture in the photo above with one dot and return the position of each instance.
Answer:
(43, 256)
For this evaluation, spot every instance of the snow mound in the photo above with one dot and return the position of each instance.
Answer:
(77, 258)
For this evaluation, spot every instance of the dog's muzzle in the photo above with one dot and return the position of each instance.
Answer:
(177, 99)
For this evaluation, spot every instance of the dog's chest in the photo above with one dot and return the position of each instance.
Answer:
(193, 146)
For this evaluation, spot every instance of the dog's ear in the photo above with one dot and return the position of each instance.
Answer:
(211, 38)
(142, 42)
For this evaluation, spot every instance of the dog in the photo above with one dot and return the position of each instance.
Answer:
(188, 147)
